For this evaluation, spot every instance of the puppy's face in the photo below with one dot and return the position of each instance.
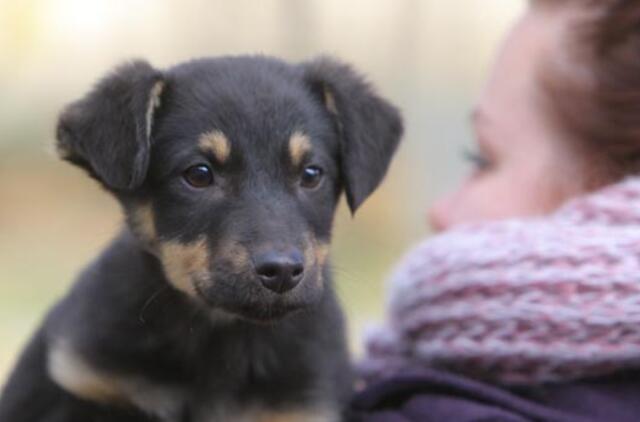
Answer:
(241, 190)
(243, 161)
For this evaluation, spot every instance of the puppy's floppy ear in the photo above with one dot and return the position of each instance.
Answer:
(108, 132)
(370, 128)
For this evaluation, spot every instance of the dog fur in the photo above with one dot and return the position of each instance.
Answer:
(219, 164)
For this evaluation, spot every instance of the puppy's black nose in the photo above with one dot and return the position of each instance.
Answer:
(279, 272)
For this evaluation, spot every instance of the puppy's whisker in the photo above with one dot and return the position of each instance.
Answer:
(149, 301)
(352, 278)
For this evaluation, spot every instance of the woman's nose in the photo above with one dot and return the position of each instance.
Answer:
(437, 215)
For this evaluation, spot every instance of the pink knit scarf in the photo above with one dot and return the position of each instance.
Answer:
(521, 301)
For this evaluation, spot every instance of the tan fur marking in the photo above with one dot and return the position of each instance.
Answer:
(330, 101)
(143, 224)
(299, 145)
(322, 252)
(216, 143)
(72, 373)
(185, 264)
(309, 254)
(316, 252)
(154, 102)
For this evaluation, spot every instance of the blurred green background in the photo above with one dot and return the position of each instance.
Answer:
(427, 56)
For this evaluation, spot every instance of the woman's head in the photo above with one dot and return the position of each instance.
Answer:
(559, 115)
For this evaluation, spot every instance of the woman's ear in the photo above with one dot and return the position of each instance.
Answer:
(370, 128)
(108, 132)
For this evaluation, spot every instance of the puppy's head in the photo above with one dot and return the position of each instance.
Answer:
(229, 169)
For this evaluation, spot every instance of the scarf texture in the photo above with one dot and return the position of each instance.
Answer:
(521, 301)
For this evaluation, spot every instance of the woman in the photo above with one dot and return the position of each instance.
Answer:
(527, 305)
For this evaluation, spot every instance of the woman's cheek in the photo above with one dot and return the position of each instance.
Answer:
(482, 197)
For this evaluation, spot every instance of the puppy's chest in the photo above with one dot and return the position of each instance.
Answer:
(244, 389)
(170, 405)
(259, 385)
(259, 413)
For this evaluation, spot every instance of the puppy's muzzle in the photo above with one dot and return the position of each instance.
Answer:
(279, 272)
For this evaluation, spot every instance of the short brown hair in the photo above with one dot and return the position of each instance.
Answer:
(604, 113)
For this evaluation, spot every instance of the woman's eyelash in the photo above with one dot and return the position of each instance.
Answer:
(476, 158)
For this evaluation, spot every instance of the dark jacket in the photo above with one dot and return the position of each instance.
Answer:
(432, 395)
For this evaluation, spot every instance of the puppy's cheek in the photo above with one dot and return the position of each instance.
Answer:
(186, 264)
(321, 254)
(315, 256)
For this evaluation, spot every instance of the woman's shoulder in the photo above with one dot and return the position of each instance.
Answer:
(432, 395)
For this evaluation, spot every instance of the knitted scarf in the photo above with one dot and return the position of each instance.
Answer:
(522, 301)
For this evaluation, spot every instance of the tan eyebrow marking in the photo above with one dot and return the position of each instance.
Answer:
(299, 145)
(216, 143)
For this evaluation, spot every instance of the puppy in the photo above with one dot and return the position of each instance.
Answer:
(215, 302)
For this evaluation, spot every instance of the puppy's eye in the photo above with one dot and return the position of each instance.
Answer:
(198, 176)
(311, 177)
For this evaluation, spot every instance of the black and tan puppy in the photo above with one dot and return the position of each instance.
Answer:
(215, 302)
